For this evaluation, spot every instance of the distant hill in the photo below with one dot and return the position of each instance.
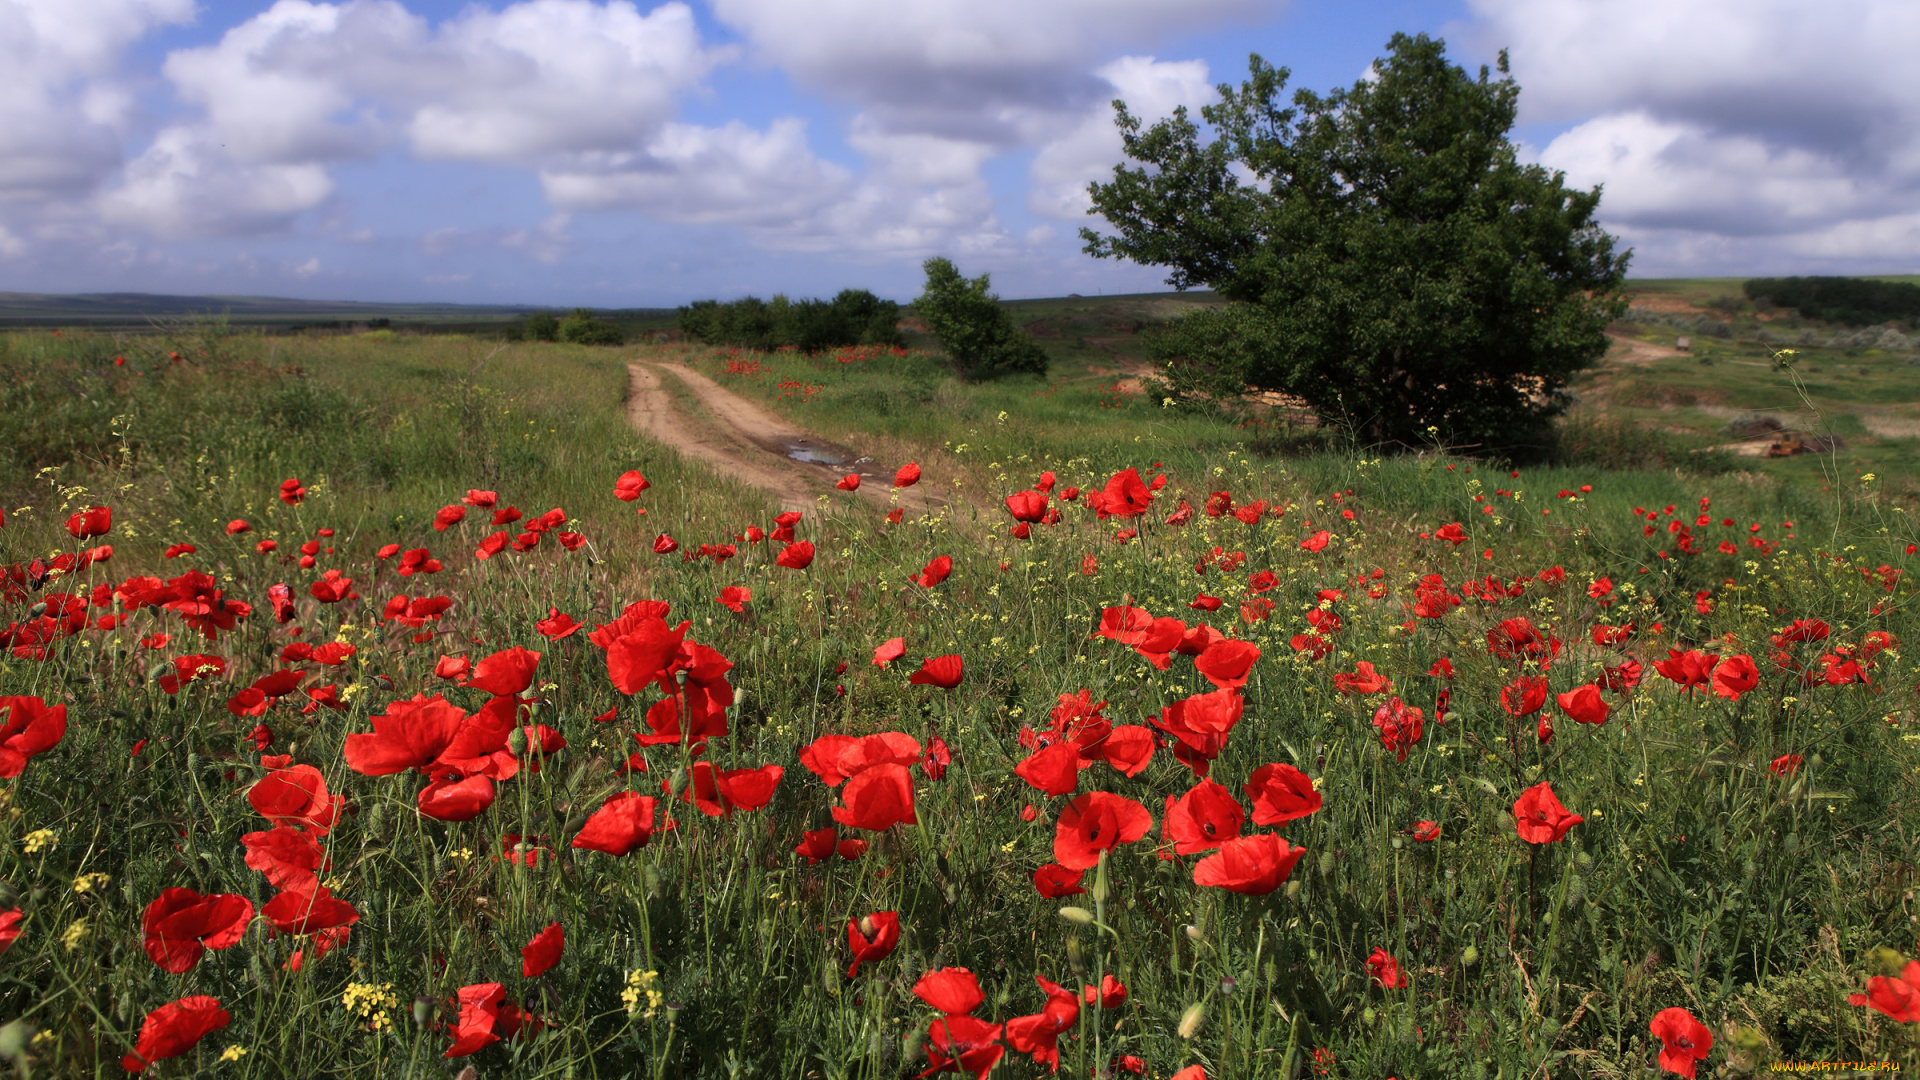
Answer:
(106, 311)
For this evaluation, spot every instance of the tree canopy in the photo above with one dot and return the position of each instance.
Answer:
(978, 333)
(1385, 256)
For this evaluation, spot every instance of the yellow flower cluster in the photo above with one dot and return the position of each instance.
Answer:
(38, 840)
(87, 883)
(370, 1002)
(642, 983)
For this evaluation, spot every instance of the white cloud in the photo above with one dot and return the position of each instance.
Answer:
(1729, 129)
(1152, 90)
(186, 186)
(64, 109)
(968, 69)
(731, 175)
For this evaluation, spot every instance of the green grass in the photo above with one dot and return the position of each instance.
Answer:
(1699, 879)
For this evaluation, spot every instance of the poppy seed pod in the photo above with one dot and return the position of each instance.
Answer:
(422, 1011)
(1191, 1020)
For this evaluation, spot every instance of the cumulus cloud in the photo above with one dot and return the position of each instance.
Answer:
(64, 109)
(732, 175)
(970, 69)
(1089, 150)
(186, 186)
(1728, 129)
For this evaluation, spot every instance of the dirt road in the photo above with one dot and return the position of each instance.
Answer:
(750, 444)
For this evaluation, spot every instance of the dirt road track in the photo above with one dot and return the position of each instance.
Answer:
(743, 441)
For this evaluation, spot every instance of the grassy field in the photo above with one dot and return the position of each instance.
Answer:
(1745, 854)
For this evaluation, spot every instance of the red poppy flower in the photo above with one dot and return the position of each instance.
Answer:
(1400, 726)
(630, 485)
(953, 991)
(332, 588)
(1898, 996)
(310, 909)
(181, 924)
(292, 492)
(1038, 1035)
(872, 939)
(1055, 881)
(935, 761)
(1539, 818)
(506, 672)
(1622, 677)
(795, 556)
(91, 522)
(289, 857)
(962, 1044)
(1027, 506)
(1519, 639)
(1202, 819)
(175, 1028)
(409, 735)
(1361, 680)
(1111, 995)
(1785, 765)
(10, 921)
(1584, 704)
(1281, 793)
(734, 598)
(1425, 831)
(174, 551)
(817, 845)
(833, 758)
(849, 482)
(557, 625)
(236, 527)
(1252, 865)
(908, 475)
(1735, 676)
(1524, 696)
(665, 545)
(1684, 1040)
(944, 672)
(456, 800)
(1128, 748)
(878, 798)
(1687, 669)
(1055, 769)
(1124, 496)
(1317, 542)
(722, 791)
(479, 1011)
(1096, 822)
(936, 571)
(31, 728)
(1452, 533)
(296, 796)
(1226, 663)
(623, 822)
(1203, 602)
(1385, 970)
(540, 954)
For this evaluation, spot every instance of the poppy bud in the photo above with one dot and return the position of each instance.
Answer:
(123, 1007)
(678, 783)
(422, 1011)
(911, 1043)
(1888, 961)
(1293, 889)
(37, 610)
(1576, 889)
(653, 882)
(1584, 860)
(517, 742)
(1194, 933)
(1470, 956)
(1367, 1016)
(1326, 862)
(1191, 1020)
(1100, 885)
(1228, 986)
(1074, 959)
(1078, 915)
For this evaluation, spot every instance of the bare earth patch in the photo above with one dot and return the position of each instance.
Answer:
(749, 444)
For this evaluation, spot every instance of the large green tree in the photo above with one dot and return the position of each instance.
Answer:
(1384, 254)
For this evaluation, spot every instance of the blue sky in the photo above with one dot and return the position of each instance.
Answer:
(629, 153)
